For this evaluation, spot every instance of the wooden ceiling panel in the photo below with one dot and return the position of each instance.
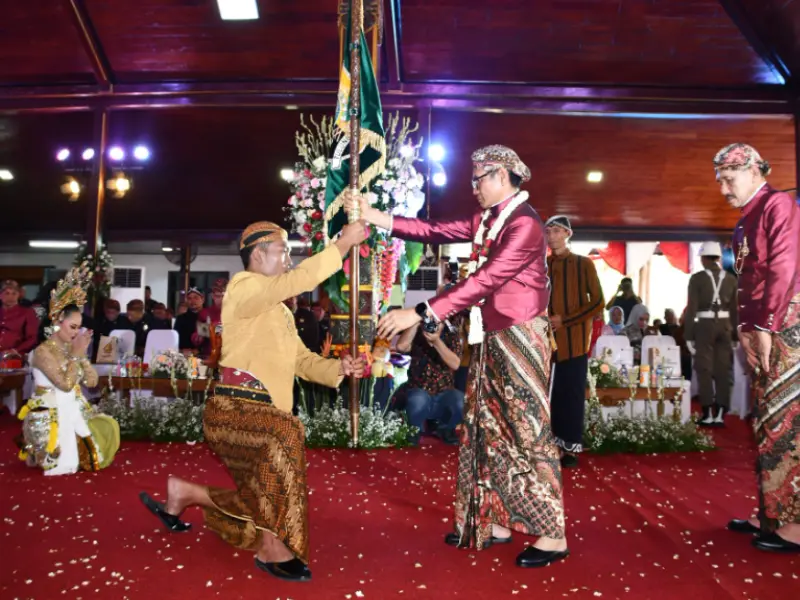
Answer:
(681, 42)
(176, 40)
(40, 44)
(657, 173)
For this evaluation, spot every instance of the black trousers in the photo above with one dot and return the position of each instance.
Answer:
(568, 402)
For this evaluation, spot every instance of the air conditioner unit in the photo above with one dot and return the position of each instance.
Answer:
(422, 285)
(127, 284)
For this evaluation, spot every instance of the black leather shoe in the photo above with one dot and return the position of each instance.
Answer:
(533, 557)
(451, 539)
(743, 526)
(290, 570)
(569, 461)
(171, 522)
(772, 542)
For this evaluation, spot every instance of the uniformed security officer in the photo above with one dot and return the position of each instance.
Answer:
(710, 332)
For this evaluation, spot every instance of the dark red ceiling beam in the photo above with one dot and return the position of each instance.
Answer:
(91, 43)
(391, 41)
(465, 96)
(760, 41)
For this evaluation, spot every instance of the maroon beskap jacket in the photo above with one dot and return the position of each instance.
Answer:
(770, 272)
(19, 329)
(514, 278)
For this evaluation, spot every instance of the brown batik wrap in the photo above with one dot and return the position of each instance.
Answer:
(263, 449)
(509, 472)
(777, 427)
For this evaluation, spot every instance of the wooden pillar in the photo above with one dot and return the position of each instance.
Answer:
(186, 261)
(97, 194)
(97, 185)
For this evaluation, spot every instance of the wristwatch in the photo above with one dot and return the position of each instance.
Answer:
(428, 323)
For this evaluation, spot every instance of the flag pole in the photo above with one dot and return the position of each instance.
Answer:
(356, 16)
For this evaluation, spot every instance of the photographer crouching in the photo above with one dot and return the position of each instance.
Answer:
(430, 393)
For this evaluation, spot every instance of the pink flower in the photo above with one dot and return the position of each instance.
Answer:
(604, 369)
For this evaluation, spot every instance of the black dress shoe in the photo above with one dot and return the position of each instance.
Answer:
(569, 461)
(171, 522)
(451, 539)
(533, 557)
(772, 542)
(289, 570)
(743, 526)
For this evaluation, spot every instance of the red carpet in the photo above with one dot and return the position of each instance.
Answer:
(639, 527)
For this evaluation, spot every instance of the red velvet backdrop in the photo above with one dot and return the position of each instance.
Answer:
(614, 255)
(677, 254)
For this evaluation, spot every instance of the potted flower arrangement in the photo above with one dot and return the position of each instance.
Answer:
(170, 364)
(605, 375)
(101, 267)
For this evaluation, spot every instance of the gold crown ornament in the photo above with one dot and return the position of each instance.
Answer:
(70, 290)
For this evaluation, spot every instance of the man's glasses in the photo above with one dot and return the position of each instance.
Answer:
(476, 180)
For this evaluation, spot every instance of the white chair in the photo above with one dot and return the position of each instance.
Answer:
(158, 341)
(614, 342)
(127, 341)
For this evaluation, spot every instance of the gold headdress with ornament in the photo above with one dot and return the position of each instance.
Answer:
(70, 290)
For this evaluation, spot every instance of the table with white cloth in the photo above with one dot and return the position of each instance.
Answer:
(610, 399)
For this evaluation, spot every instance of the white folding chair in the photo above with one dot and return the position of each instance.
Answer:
(655, 341)
(158, 341)
(614, 342)
(127, 341)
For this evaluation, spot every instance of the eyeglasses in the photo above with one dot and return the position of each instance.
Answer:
(476, 180)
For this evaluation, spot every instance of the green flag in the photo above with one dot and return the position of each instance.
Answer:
(372, 143)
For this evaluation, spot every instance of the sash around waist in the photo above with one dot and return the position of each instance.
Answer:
(241, 384)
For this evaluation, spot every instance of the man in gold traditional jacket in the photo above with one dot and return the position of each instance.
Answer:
(248, 422)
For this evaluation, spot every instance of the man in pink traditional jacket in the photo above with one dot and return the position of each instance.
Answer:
(766, 248)
(19, 326)
(509, 474)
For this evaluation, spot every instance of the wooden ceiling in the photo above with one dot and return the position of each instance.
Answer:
(644, 91)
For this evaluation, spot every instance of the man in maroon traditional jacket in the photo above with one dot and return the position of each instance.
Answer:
(509, 475)
(18, 324)
(766, 247)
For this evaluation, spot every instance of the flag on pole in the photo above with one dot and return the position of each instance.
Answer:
(372, 141)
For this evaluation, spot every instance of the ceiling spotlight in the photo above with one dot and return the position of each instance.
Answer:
(6, 175)
(166, 249)
(594, 176)
(72, 189)
(52, 244)
(436, 152)
(88, 154)
(63, 154)
(120, 185)
(141, 153)
(116, 153)
(406, 151)
(439, 179)
(287, 175)
(238, 10)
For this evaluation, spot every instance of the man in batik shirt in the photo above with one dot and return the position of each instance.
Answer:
(766, 247)
(509, 475)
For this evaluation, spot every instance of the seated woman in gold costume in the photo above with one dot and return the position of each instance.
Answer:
(61, 431)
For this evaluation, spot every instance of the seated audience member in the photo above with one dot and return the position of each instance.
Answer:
(430, 393)
(186, 322)
(134, 320)
(159, 318)
(19, 326)
(211, 315)
(670, 325)
(616, 321)
(637, 328)
(107, 322)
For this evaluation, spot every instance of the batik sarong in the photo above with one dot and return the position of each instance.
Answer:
(777, 428)
(264, 450)
(509, 470)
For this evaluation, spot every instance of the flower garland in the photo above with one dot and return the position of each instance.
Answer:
(398, 190)
(101, 266)
(480, 254)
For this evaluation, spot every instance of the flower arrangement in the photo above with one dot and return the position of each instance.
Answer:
(398, 190)
(149, 418)
(171, 364)
(605, 375)
(100, 266)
